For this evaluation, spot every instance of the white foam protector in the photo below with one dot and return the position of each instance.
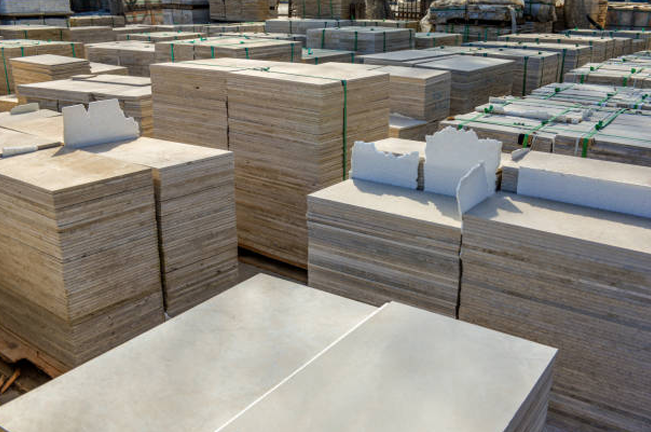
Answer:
(103, 123)
(451, 153)
(472, 188)
(613, 186)
(371, 164)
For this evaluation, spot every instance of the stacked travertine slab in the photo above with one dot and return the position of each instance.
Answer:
(600, 48)
(301, 26)
(574, 277)
(376, 243)
(21, 48)
(85, 226)
(474, 79)
(195, 207)
(408, 57)
(319, 56)
(332, 10)
(451, 376)
(11, 139)
(134, 28)
(362, 40)
(292, 128)
(136, 56)
(101, 68)
(212, 29)
(246, 340)
(47, 67)
(38, 32)
(97, 20)
(43, 123)
(191, 99)
(613, 74)
(572, 56)
(229, 46)
(133, 93)
(160, 36)
(277, 36)
(90, 34)
(412, 24)
(635, 35)
(434, 39)
(241, 10)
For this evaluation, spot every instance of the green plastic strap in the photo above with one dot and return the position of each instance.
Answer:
(355, 46)
(524, 76)
(128, 37)
(22, 51)
(544, 123)
(212, 51)
(60, 34)
(25, 34)
(303, 8)
(466, 31)
(475, 118)
(72, 45)
(486, 34)
(352, 57)
(563, 64)
(344, 83)
(316, 60)
(332, 14)
(172, 51)
(4, 62)
(246, 52)
(322, 38)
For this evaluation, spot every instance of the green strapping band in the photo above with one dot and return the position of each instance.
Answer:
(352, 57)
(486, 34)
(212, 51)
(60, 34)
(4, 62)
(355, 46)
(524, 76)
(246, 52)
(332, 14)
(322, 38)
(525, 140)
(344, 142)
(72, 45)
(172, 51)
(477, 117)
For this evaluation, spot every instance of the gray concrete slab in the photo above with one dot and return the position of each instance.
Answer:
(196, 371)
(406, 369)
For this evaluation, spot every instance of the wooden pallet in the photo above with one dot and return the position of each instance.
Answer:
(14, 349)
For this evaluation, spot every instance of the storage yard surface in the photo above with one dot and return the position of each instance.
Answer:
(218, 217)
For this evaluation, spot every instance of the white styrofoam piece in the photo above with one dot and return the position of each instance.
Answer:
(451, 153)
(371, 164)
(25, 108)
(612, 186)
(13, 151)
(103, 123)
(518, 154)
(472, 188)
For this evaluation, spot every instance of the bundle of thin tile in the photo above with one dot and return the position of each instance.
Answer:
(86, 227)
(136, 56)
(97, 20)
(247, 340)
(46, 67)
(91, 34)
(606, 133)
(302, 25)
(241, 10)
(133, 93)
(36, 31)
(600, 48)
(626, 42)
(190, 99)
(263, 35)
(573, 277)
(377, 243)
(318, 56)
(229, 46)
(628, 16)
(414, 25)
(621, 74)
(474, 79)
(531, 69)
(361, 40)
(212, 29)
(331, 9)
(160, 36)
(572, 57)
(42, 123)
(594, 94)
(450, 376)
(186, 11)
(292, 128)
(434, 39)
(195, 211)
(409, 128)
(133, 28)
